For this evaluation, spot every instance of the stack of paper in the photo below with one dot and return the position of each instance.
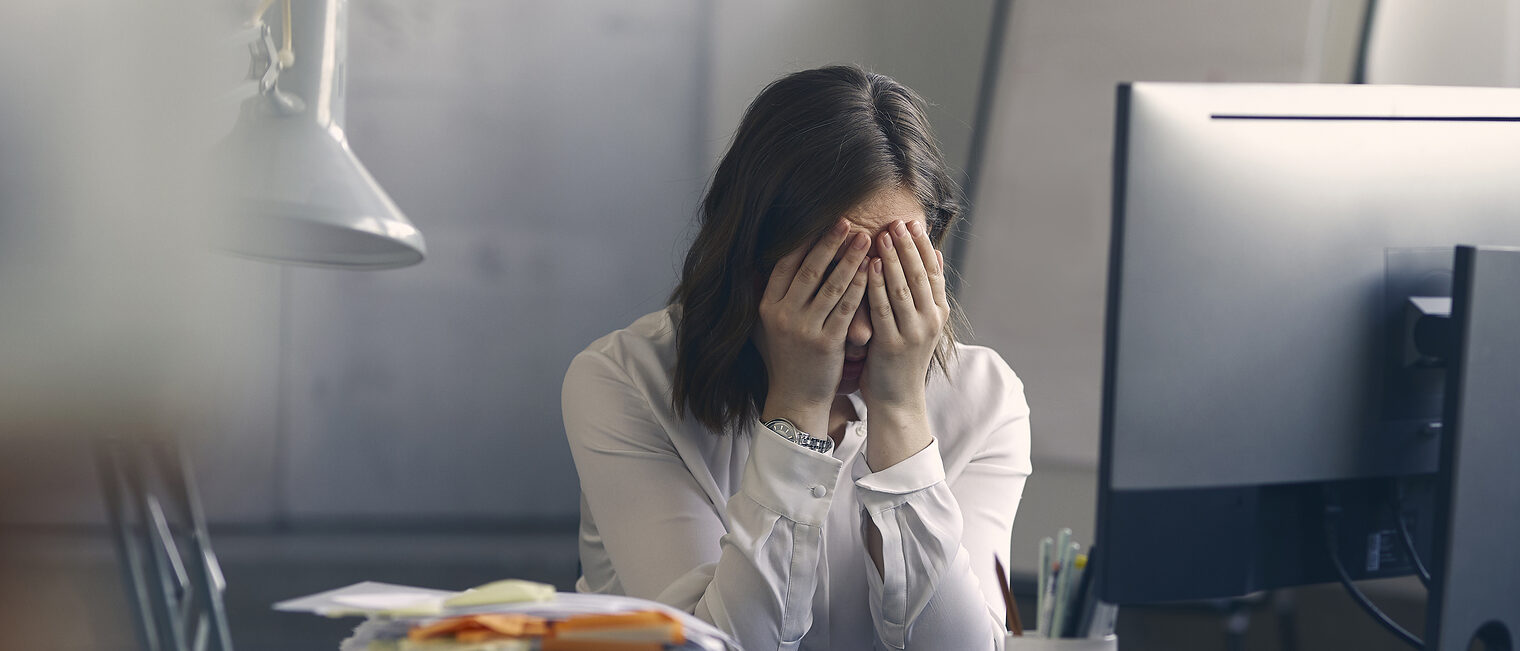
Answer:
(401, 618)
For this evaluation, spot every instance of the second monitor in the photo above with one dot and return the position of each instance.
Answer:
(1258, 369)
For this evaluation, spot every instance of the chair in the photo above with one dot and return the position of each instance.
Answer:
(173, 581)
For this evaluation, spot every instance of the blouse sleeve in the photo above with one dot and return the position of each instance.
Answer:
(754, 578)
(937, 588)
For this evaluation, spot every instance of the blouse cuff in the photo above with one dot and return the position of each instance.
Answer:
(789, 479)
(889, 488)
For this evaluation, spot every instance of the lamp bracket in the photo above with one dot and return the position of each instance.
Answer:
(264, 66)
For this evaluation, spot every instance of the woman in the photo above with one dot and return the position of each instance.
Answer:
(796, 449)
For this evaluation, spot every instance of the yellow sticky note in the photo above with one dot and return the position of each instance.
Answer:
(502, 592)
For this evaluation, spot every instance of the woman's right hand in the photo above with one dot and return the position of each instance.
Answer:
(804, 315)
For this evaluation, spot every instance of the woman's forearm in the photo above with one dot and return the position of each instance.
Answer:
(893, 435)
(896, 432)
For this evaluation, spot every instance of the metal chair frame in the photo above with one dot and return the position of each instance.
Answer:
(157, 525)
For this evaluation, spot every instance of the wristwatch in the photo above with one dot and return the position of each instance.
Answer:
(790, 432)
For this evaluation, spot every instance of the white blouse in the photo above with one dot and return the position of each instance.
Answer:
(764, 538)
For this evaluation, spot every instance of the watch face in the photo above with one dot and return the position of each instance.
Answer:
(783, 428)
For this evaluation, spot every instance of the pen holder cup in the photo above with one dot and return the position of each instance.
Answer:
(1031, 643)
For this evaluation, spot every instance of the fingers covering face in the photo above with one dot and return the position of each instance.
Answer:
(938, 278)
(835, 289)
(844, 311)
(804, 262)
(892, 272)
(934, 266)
(915, 252)
(781, 276)
(814, 265)
(882, 321)
(908, 278)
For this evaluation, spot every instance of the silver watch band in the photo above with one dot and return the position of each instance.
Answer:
(790, 432)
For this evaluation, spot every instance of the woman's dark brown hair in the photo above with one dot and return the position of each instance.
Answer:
(813, 145)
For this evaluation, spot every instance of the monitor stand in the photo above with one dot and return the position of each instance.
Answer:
(1475, 586)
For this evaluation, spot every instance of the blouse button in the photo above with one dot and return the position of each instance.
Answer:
(819, 491)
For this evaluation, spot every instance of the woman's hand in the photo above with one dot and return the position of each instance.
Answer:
(908, 309)
(804, 315)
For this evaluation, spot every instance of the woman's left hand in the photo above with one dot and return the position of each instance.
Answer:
(908, 306)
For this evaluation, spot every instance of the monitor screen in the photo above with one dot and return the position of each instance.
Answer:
(1267, 240)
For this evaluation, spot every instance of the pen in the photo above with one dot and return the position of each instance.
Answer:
(1057, 567)
(1063, 588)
(1040, 600)
(1009, 605)
(1076, 591)
(1047, 611)
(1079, 620)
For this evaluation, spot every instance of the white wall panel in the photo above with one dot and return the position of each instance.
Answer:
(1453, 43)
(551, 154)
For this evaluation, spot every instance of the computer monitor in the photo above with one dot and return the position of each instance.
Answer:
(1267, 240)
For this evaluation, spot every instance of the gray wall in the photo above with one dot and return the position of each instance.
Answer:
(1456, 43)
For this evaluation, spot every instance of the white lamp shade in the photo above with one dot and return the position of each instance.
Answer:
(300, 196)
(295, 192)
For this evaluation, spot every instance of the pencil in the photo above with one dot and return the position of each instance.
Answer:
(1012, 607)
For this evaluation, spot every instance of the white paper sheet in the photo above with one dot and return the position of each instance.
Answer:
(388, 605)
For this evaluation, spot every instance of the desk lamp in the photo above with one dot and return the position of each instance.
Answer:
(298, 194)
